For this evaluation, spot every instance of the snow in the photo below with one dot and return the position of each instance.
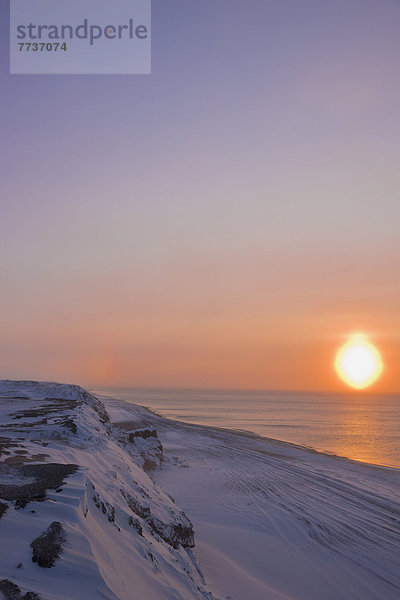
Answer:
(271, 520)
(277, 521)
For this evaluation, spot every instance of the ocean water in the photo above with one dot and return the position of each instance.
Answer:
(360, 426)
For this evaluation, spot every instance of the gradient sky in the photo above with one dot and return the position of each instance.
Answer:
(224, 222)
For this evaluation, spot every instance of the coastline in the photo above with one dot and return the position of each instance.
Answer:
(248, 432)
(276, 520)
(253, 434)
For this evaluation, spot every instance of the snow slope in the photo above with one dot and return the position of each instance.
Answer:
(76, 497)
(276, 521)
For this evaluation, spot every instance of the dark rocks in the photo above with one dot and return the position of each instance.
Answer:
(71, 425)
(95, 403)
(178, 530)
(46, 476)
(135, 523)
(49, 545)
(141, 511)
(106, 508)
(148, 464)
(52, 405)
(148, 445)
(183, 535)
(3, 508)
(174, 533)
(11, 591)
(143, 433)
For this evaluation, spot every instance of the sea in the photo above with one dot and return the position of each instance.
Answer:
(360, 426)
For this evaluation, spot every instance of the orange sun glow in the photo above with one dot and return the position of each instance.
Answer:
(358, 363)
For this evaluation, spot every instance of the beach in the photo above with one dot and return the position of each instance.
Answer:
(278, 521)
(362, 426)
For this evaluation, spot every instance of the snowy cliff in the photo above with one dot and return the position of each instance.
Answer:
(80, 516)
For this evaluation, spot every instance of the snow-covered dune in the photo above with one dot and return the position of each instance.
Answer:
(80, 518)
(103, 499)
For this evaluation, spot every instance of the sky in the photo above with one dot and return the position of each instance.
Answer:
(225, 222)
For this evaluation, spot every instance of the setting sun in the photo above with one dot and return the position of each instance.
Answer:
(358, 362)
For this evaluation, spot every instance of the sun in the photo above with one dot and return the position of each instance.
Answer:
(358, 363)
